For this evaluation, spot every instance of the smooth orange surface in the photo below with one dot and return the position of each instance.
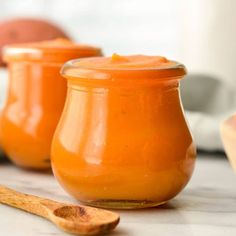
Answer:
(35, 99)
(120, 138)
(119, 62)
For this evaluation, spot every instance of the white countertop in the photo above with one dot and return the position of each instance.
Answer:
(206, 207)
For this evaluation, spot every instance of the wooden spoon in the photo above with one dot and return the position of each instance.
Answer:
(75, 219)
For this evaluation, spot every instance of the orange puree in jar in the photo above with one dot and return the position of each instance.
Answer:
(36, 98)
(122, 140)
(119, 62)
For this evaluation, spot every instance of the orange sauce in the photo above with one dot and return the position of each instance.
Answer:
(35, 98)
(122, 141)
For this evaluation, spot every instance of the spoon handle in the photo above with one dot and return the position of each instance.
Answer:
(26, 202)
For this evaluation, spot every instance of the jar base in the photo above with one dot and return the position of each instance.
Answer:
(42, 168)
(123, 204)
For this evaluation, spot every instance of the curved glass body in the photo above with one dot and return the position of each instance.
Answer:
(122, 140)
(35, 100)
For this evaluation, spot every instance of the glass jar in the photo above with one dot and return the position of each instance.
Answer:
(122, 140)
(35, 99)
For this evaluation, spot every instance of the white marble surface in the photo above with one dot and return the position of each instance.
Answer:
(206, 207)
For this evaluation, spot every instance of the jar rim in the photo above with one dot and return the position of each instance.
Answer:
(72, 71)
(35, 52)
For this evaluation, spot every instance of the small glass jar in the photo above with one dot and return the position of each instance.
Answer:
(122, 140)
(35, 99)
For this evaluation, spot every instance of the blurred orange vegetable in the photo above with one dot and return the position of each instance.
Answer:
(23, 30)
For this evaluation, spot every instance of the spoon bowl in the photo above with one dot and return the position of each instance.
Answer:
(84, 220)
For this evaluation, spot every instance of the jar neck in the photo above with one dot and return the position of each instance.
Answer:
(79, 75)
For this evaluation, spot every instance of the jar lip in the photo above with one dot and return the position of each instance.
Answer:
(71, 70)
(29, 52)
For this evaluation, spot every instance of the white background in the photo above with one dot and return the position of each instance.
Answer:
(124, 26)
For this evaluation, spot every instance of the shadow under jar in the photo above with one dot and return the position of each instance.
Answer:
(36, 96)
(122, 141)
